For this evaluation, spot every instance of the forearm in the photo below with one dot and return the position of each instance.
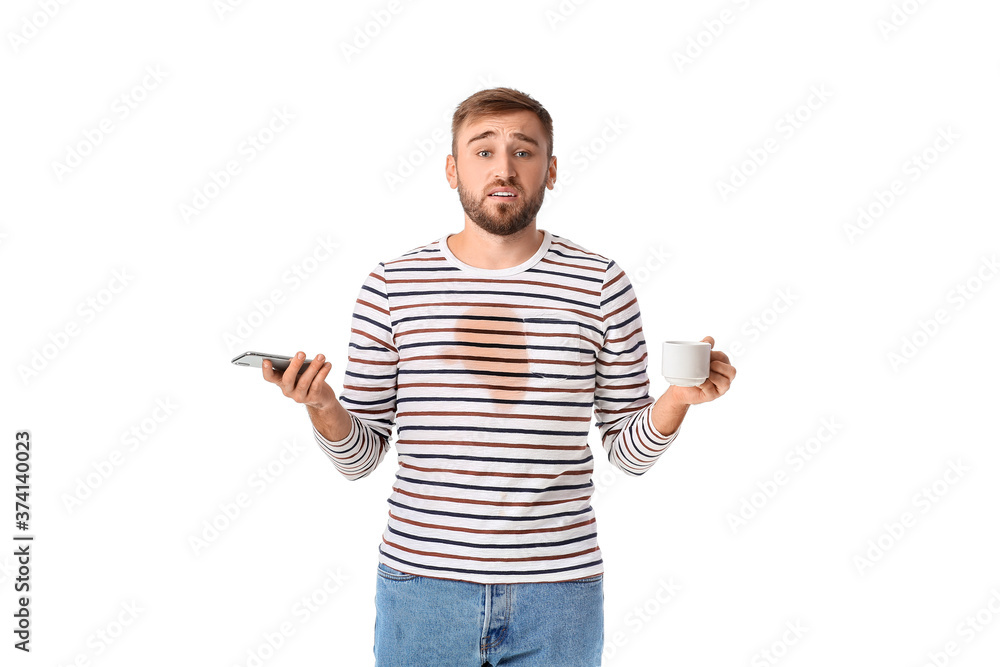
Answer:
(333, 423)
(668, 413)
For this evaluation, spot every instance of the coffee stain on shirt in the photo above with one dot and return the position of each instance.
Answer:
(477, 330)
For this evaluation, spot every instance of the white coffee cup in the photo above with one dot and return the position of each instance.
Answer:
(686, 364)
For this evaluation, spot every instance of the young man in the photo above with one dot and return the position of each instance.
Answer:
(489, 349)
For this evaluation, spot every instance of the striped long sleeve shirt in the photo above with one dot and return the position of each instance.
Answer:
(490, 377)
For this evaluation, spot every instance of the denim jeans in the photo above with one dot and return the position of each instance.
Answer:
(429, 622)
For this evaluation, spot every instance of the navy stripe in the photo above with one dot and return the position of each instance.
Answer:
(504, 489)
(478, 545)
(489, 517)
(493, 572)
(487, 429)
(499, 460)
(501, 401)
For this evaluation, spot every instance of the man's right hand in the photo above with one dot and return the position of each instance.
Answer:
(309, 388)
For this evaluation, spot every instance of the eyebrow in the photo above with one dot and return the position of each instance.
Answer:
(492, 133)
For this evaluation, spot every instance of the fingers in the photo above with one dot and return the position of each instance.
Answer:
(302, 388)
(292, 372)
(285, 379)
(721, 373)
(307, 376)
(722, 376)
(715, 355)
(316, 386)
(719, 355)
(270, 374)
(304, 380)
(723, 368)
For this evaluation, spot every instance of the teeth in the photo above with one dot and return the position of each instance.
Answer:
(502, 194)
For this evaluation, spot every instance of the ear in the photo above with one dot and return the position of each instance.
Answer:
(451, 171)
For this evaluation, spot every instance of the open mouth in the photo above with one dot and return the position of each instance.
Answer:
(502, 195)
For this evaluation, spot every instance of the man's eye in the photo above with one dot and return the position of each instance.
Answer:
(526, 153)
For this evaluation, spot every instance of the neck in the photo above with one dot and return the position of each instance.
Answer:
(483, 250)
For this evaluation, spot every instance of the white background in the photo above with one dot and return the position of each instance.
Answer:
(861, 328)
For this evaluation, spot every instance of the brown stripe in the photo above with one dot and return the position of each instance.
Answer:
(624, 338)
(361, 464)
(493, 473)
(624, 463)
(495, 387)
(471, 501)
(527, 531)
(511, 306)
(372, 362)
(627, 306)
(372, 411)
(502, 332)
(611, 282)
(488, 559)
(442, 413)
(577, 249)
(511, 445)
(626, 363)
(372, 305)
(631, 386)
(431, 258)
(489, 332)
(596, 269)
(498, 360)
(365, 334)
(492, 281)
(610, 437)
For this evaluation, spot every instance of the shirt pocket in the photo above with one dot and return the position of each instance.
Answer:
(558, 348)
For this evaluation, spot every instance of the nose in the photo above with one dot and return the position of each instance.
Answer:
(504, 167)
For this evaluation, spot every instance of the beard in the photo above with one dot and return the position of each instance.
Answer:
(502, 217)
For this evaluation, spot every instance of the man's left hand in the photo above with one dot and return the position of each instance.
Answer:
(720, 377)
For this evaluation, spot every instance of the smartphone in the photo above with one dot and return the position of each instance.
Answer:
(278, 362)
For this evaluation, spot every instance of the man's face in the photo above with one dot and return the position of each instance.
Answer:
(507, 151)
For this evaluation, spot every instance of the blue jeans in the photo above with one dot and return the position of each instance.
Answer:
(428, 622)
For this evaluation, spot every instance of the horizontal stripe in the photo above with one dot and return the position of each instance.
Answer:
(504, 489)
(492, 559)
(492, 572)
(498, 503)
(490, 532)
(495, 473)
(488, 517)
(494, 459)
(478, 545)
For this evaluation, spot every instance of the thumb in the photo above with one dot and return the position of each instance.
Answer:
(709, 340)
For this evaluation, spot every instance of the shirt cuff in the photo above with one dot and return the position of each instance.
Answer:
(657, 437)
(333, 444)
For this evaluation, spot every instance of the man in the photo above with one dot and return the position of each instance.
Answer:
(488, 349)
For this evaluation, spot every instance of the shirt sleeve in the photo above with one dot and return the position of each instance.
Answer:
(622, 404)
(369, 393)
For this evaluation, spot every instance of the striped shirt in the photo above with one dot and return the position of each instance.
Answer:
(490, 377)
